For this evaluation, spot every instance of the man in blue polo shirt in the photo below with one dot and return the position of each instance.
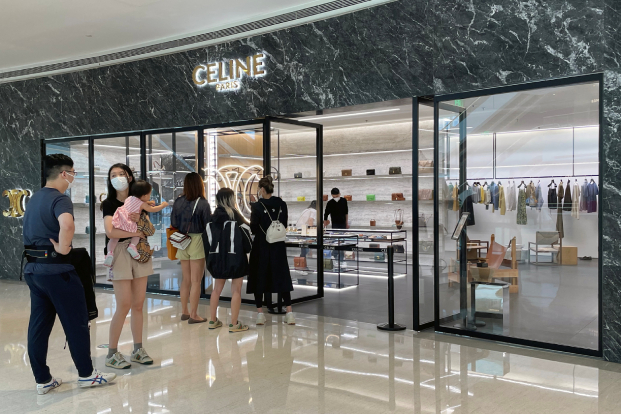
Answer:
(55, 287)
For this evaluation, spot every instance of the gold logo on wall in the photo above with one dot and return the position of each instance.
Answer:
(227, 75)
(17, 202)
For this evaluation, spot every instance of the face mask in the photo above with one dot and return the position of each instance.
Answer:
(120, 183)
(336, 199)
(70, 182)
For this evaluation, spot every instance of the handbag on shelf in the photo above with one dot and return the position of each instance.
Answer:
(371, 172)
(181, 240)
(346, 173)
(425, 246)
(425, 194)
(399, 248)
(299, 263)
(301, 198)
(379, 257)
(350, 256)
(373, 222)
(325, 197)
(328, 264)
(276, 231)
(422, 221)
(398, 216)
(297, 175)
(374, 245)
(347, 197)
(370, 197)
(425, 163)
(397, 197)
(394, 170)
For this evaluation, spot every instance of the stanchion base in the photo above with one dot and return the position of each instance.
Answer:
(275, 311)
(386, 327)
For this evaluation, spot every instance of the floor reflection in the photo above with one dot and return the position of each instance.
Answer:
(319, 365)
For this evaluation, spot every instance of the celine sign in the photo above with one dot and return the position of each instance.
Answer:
(17, 202)
(227, 75)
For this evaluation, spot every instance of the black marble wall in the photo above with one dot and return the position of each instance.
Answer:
(398, 50)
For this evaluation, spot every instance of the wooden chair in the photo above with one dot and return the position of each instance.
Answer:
(546, 242)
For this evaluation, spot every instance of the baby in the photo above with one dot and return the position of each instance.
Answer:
(140, 193)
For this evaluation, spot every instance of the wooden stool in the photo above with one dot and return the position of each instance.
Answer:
(569, 255)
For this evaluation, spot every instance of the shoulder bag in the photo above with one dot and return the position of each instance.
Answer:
(182, 240)
(276, 231)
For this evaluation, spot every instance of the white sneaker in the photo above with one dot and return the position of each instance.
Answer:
(45, 388)
(96, 379)
(289, 318)
(261, 319)
(117, 361)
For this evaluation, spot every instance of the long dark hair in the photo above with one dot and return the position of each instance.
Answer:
(193, 186)
(130, 174)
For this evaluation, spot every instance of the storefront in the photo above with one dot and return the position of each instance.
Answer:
(403, 135)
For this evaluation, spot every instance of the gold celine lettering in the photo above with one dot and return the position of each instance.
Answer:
(227, 75)
(17, 202)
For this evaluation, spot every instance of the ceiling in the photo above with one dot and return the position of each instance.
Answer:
(36, 32)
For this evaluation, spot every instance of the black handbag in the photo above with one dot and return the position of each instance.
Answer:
(399, 248)
(370, 172)
(297, 175)
(394, 170)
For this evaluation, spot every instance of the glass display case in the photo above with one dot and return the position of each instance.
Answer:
(339, 260)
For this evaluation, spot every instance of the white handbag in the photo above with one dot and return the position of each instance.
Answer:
(182, 241)
(276, 231)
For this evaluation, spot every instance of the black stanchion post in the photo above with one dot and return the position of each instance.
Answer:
(391, 325)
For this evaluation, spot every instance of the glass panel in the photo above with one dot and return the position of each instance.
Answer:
(110, 151)
(516, 270)
(294, 164)
(78, 151)
(425, 213)
(170, 157)
(233, 159)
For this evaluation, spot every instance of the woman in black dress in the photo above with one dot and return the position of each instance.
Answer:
(269, 267)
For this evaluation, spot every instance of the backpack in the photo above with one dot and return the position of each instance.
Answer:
(226, 247)
(276, 232)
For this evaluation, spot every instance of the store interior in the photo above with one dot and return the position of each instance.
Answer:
(529, 136)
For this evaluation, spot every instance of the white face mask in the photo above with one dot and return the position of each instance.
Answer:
(336, 199)
(70, 182)
(120, 183)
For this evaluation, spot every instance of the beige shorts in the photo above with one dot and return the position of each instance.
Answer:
(195, 250)
(124, 267)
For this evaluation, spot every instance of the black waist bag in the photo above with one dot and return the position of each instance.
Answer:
(81, 260)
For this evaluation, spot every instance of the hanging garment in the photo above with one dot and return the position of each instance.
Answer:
(502, 202)
(469, 207)
(591, 197)
(455, 199)
(575, 206)
(487, 198)
(494, 193)
(476, 194)
(552, 199)
(511, 197)
(539, 196)
(559, 213)
(449, 197)
(583, 195)
(567, 203)
(531, 200)
(521, 208)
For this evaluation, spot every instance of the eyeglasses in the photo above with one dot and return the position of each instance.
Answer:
(72, 173)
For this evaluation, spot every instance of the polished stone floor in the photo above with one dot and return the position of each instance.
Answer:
(319, 365)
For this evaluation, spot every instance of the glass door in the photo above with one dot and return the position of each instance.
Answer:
(297, 172)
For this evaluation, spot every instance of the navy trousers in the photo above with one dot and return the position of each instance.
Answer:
(63, 295)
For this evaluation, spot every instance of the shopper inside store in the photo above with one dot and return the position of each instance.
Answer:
(386, 206)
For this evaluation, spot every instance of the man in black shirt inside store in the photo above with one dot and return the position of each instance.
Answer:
(337, 210)
(55, 287)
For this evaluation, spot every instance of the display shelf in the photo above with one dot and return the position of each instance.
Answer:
(354, 177)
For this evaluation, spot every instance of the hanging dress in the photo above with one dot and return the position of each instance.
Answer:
(567, 203)
(575, 206)
(502, 202)
(583, 195)
(559, 214)
(552, 199)
(521, 208)
(592, 193)
(539, 197)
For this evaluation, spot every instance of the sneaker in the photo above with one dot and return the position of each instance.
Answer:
(238, 328)
(261, 319)
(109, 260)
(117, 361)
(215, 324)
(289, 318)
(96, 379)
(140, 356)
(133, 251)
(45, 388)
